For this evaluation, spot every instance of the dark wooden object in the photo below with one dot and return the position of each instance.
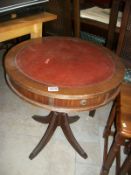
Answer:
(56, 119)
(121, 108)
(123, 50)
(62, 26)
(124, 43)
(67, 98)
(107, 31)
(112, 23)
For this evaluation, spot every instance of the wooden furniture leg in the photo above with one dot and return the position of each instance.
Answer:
(114, 150)
(76, 14)
(107, 130)
(112, 23)
(126, 165)
(70, 137)
(37, 30)
(57, 119)
(92, 113)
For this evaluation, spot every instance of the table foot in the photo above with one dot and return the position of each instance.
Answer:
(57, 119)
(73, 119)
(70, 137)
(45, 139)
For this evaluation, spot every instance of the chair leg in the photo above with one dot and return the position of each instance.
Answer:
(107, 130)
(112, 154)
(118, 160)
(126, 166)
(76, 6)
(112, 23)
(129, 171)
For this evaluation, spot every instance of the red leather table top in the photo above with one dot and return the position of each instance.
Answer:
(65, 62)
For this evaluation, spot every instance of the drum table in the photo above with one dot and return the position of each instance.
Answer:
(63, 75)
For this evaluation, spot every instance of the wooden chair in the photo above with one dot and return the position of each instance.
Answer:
(124, 43)
(122, 109)
(123, 124)
(107, 31)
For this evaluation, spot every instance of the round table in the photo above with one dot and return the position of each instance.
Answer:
(63, 74)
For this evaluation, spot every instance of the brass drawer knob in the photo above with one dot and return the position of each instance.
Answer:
(83, 102)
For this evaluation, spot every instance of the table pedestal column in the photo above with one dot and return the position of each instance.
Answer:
(57, 119)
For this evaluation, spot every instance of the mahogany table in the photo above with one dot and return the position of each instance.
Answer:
(63, 74)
